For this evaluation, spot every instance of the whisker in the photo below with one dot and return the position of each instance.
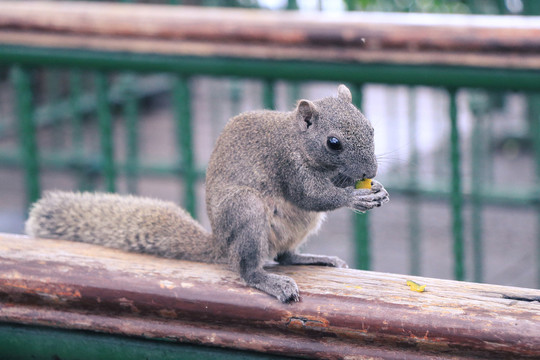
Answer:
(400, 149)
(393, 160)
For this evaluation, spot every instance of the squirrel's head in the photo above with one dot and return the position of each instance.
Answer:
(337, 136)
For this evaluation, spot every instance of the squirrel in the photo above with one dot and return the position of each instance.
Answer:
(270, 179)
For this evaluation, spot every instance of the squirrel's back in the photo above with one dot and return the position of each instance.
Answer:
(125, 222)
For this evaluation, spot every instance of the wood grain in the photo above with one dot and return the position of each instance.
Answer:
(343, 313)
(476, 41)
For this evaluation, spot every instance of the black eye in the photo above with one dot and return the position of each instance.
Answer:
(333, 143)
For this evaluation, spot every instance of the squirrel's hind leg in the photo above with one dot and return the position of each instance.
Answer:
(249, 247)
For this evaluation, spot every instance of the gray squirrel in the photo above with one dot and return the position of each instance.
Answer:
(270, 178)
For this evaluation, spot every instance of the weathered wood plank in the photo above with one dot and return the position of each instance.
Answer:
(342, 313)
(481, 41)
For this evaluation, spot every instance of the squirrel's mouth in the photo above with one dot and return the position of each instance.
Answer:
(341, 180)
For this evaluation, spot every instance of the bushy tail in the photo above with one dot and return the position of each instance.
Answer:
(125, 222)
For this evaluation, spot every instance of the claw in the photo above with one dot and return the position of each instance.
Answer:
(291, 299)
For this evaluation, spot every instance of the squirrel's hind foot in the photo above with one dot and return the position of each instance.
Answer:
(282, 287)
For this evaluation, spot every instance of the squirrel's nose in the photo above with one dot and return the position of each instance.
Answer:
(370, 174)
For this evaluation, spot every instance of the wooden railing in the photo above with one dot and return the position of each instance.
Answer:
(450, 51)
(481, 41)
(343, 313)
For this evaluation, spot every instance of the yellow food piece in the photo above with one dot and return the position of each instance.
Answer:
(415, 286)
(363, 184)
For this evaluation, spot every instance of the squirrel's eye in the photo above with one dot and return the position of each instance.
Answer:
(333, 143)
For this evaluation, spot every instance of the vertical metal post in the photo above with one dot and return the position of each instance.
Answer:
(531, 7)
(269, 94)
(106, 131)
(361, 221)
(457, 201)
(131, 116)
(415, 255)
(182, 109)
(27, 131)
(292, 5)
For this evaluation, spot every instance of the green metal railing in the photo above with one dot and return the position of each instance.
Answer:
(117, 85)
(181, 93)
(107, 167)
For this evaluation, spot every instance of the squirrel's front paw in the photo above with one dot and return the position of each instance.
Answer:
(367, 199)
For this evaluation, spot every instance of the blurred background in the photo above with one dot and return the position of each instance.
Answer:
(153, 152)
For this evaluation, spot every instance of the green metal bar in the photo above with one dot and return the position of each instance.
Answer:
(27, 132)
(445, 76)
(415, 254)
(292, 5)
(269, 94)
(362, 241)
(362, 234)
(44, 343)
(106, 131)
(531, 7)
(184, 138)
(457, 200)
(131, 116)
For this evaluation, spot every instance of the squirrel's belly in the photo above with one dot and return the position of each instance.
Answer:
(290, 225)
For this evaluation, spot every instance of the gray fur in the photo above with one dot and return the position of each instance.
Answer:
(124, 222)
(270, 179)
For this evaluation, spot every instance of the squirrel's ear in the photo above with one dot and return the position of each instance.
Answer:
(344, 93)
(305, 114)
